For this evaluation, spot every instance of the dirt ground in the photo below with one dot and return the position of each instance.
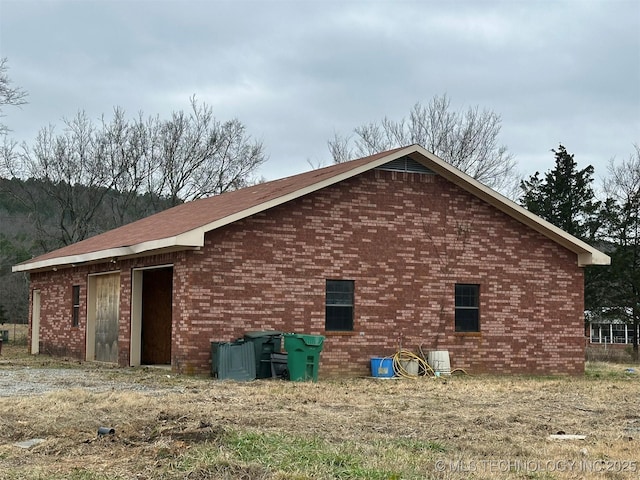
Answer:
(169, 426)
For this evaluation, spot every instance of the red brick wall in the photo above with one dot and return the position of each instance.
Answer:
(57, 335)
(406, 240)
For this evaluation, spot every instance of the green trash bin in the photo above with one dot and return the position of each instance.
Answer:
(265, 343)
(303, 355)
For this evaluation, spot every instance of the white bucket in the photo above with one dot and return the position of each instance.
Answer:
(410, 367)
(438, 360)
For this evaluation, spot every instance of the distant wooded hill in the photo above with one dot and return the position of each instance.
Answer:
(37, 216)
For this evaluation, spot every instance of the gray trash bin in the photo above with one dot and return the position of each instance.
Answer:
(233, 360)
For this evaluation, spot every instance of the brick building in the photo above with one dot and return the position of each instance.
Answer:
(396, 249)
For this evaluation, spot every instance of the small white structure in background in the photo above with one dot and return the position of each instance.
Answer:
(612, 332)
(607, 329)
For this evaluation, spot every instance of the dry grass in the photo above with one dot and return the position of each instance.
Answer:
(610, 354)
(454, 428)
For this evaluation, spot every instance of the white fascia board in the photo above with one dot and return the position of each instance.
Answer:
(587, 255)
(72, 259)
(595, 258)
(192, 239)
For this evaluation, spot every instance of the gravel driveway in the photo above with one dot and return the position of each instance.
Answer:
(28, 381)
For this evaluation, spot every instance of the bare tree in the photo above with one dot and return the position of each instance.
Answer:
(93, 177)
(8, 95)
(13, 302)
(467, 140)
(74, 175)
(129, 148)
(619, 292)
(200, 156)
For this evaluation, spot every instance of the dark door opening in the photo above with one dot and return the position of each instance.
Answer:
(157, 294)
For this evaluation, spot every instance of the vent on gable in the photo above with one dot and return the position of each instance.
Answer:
(406, 164)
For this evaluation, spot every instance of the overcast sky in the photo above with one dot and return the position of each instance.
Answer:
(296, 72)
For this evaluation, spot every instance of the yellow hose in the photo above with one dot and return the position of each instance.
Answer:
(424, 369)
(405, 356)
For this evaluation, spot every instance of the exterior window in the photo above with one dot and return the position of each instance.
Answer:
(595, 333)
(339, 305)
(467, 308)
(611, 333)
(619, 331)
(76, 306)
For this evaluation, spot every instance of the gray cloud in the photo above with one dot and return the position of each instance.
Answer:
(295, 72)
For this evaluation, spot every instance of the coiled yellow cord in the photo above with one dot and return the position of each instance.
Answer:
(403, 357)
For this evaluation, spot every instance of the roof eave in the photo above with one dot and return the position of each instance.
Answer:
(593, 258)
(195, 238)
(185, 241)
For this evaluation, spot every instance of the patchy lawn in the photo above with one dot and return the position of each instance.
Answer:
(173, 427)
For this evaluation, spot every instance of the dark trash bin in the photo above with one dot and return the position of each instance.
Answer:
(265, 343)
(233, 360)
(279, 367)
(303, 355)
(5, 335)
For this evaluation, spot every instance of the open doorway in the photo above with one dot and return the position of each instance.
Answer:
(151, 316)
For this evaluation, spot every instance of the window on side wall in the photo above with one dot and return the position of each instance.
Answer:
(75, 293)
(339, 305)
(467, 307)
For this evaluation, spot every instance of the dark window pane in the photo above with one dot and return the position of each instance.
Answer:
(467, 301)
(339, 318)
(339, 305)
(467, 295)
(339, 298)
(467, 320)
(75, 294)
